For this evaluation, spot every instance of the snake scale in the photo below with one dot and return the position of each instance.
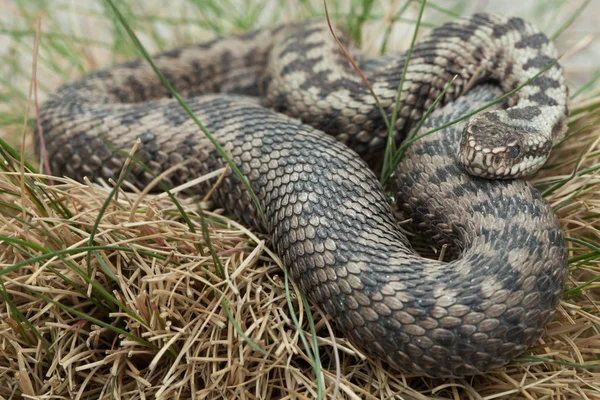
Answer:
(327, 215)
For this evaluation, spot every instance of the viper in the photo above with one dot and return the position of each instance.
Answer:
(296, 118)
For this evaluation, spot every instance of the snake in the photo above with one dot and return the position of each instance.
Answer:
(298, 122)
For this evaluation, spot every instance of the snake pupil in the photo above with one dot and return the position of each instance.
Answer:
(515, 151)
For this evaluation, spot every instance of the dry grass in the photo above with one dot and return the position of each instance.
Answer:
(123, 295)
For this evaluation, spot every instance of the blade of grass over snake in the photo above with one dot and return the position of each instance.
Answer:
(187, 109)
(402, 150)
(390, 148)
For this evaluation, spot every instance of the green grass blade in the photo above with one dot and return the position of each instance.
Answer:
(217, 262)
(402, 150)
(390, 148)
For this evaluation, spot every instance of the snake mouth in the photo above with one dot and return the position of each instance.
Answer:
(499, 163)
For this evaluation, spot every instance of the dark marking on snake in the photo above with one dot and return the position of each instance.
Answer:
(539, 62)
(535, 41)
(525, 113)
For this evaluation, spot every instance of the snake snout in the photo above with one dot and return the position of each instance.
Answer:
(493, 159)
(491, 149)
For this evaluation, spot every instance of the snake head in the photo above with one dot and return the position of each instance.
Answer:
(490, 148)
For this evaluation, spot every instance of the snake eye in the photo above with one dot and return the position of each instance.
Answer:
(515, 151)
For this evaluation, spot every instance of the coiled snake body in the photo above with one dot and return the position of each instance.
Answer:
(328, 216)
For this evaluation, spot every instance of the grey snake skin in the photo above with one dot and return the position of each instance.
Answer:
(328, 217)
